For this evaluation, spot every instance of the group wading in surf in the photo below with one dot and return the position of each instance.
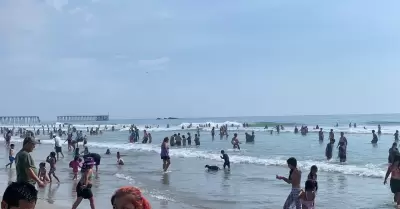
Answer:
(85, 164)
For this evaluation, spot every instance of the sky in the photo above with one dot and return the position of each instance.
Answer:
(147, 59)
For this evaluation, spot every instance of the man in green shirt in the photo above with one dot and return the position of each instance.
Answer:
(24, 164)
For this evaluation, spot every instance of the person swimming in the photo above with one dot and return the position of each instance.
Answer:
(108, 152)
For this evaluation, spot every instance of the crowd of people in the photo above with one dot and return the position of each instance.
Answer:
(23, 193)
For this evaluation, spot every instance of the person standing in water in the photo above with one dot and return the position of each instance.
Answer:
(321, 135)
(189, 139)
(212, 133)
(332, 136)
(379, 130)
(393, 151)
(84, 187)
(120, 161)
(165, 154)
(294, 179)
(313, 176)
(396, 136)
(51, 159)
(196, 140)
(342, 145)
(11, 157)
(235, 142)
(374, 137)
(307, 196)
(57, 146)
(225, 157)
(394, 171)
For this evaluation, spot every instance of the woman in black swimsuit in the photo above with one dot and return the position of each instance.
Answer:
(84, 187)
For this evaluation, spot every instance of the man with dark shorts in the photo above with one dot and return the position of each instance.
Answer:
(225, 157)
(57, 146)
(96, 157)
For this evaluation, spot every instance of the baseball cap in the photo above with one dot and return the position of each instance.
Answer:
(29, 140)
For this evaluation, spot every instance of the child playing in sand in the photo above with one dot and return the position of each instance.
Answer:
(75, 164)
(307, 196)
(51, 159)
(11, 156)
(42, 174)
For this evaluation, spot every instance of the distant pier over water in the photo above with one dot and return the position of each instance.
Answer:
(69, 118)
(19, 119)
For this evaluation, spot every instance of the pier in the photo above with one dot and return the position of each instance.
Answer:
(69, 118)
(19, 119)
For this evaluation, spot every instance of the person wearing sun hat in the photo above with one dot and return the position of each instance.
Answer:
(84, 187)
(25, 165)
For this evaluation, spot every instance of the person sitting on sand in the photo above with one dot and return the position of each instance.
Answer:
(42, 174)
(129, 197)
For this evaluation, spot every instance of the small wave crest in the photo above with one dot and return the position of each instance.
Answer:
(369, 170)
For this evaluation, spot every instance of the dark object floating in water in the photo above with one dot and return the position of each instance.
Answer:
(169, 118)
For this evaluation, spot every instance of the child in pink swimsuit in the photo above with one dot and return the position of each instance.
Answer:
(75, 167)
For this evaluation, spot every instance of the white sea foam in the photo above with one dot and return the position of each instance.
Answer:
(232, 126)
(368, 170)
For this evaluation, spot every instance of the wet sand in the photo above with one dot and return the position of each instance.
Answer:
(62, 195)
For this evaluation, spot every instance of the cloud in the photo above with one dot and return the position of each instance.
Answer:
(57, 4)
(75, 10)
(154, 62)
(88, 17)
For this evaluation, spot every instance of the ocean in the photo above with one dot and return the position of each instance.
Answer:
(250, 183)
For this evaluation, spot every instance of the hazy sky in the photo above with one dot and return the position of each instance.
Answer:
(144, 59)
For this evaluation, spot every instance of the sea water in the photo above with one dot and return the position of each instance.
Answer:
(251, 182)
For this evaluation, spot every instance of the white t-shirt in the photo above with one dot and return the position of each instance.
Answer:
(57, 141)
